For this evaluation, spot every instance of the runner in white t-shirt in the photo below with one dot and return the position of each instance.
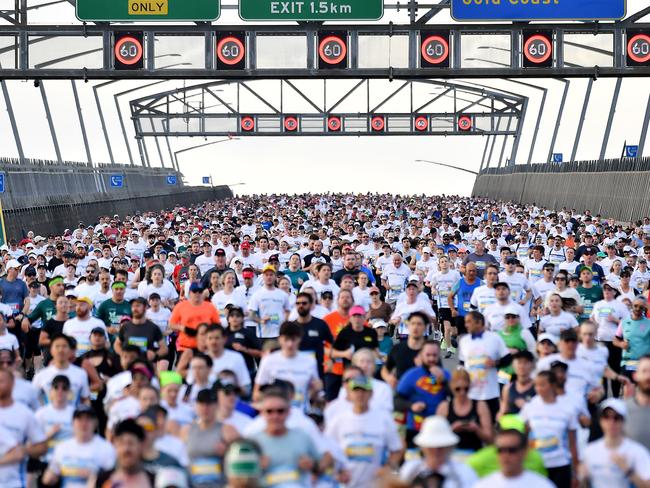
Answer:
(290, 364)
(269, 306)
(482, 352)
(368, 438)
(614, 460)
(78, 459)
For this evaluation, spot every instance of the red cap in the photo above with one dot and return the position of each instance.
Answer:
(248, 274)
(245, 245)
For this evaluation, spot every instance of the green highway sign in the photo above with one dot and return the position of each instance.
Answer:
(261, 10)
(147, 10)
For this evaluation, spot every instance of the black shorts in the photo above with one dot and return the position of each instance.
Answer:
(459, 323)
(31, 343)
(444, 315)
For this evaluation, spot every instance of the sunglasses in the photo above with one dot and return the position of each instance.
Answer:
(374, 293)
(461, 388)
(510, 316)
(278, 411)
(614, 417)
(302, 303)
(508, 449)
(60, 387)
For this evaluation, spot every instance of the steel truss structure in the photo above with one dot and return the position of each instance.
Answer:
(306, 108)
(22, 37)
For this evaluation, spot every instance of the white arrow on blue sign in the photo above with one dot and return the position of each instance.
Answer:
(631, 151)
(206, 180)
(557, 157)
(171, 179)
(2, 182)
(117, 181)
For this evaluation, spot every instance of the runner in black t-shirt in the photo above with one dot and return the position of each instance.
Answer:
(141, 332)
(242, 339)
(402, 356)
(355, 336)
(315, 331)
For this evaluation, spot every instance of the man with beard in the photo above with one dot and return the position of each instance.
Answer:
(637, 423)
(315, 331)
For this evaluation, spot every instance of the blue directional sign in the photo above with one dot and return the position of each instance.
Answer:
(2, 182)
(558, 157)
(171, 179)
(117, 181)
(206, 180)
(631, 151)
(524, 10)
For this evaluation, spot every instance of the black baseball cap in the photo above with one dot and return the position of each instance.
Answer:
(84, 410)
(220, 252)
(559, 364)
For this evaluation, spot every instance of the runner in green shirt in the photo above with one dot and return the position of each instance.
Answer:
(589, 293)
(111, 311)
(47, 308)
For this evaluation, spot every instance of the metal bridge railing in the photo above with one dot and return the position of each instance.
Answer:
(594, 166)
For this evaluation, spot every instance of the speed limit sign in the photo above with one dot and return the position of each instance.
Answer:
(638, 49)
(434, 51)
(377, 123)
(231, 51)
(538, 49)
(333, 123)
(332, 50)
(290, 123)
(247, 123)
(464, 123)
(128, 51)
(421, 123)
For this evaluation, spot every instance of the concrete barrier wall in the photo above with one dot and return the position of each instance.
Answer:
(620, 191)
(46, 197)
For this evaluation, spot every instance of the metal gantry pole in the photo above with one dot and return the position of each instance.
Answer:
(50, 122)
(101, 119)
(12, 121)
(520, 127)
(644, 128)
(558, 119)
(610, 118)
(82, 124)
(581, 123)
(505, 139)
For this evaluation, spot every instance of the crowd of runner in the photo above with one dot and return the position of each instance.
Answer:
(330, 340)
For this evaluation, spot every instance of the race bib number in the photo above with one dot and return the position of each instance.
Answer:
(360, 452)
(205, 470)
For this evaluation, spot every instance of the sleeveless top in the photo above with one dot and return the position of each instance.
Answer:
(469, 441)
(514, 395)
(206, 468)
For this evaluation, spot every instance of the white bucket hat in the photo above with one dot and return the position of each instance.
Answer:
(436, 432)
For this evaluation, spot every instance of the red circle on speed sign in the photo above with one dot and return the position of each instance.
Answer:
(435, 49)
(638, 48)
(377, 123)
(290, 124)
(230, 50)
(334, 123)
(421, 123)
(538, 48)
(128, 50)
(247, 123)
(332, 50)
(464, 122)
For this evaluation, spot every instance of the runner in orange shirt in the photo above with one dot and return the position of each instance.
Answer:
(336, 321)
(188, 314)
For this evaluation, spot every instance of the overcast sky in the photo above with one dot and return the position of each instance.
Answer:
(292, 165)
